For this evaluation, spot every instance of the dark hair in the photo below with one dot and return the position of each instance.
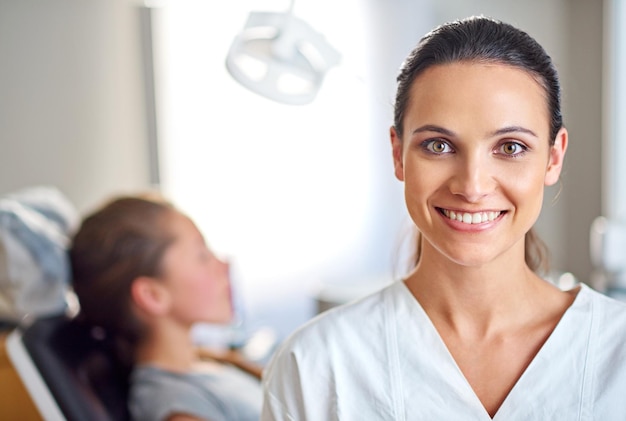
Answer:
(481, 39)
(124, 239)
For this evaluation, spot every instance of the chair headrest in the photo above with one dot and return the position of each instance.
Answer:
(80, 369)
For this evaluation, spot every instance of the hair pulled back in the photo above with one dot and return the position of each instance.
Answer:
(121, 241)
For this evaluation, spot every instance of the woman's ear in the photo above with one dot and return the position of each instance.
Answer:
(396, 148)
(557, 155)
(150, 295)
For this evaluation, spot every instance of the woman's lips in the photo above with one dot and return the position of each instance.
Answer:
(471, 218)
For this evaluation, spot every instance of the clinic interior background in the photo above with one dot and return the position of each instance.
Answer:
(299, 198)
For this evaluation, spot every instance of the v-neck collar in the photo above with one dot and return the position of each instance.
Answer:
(527, 395)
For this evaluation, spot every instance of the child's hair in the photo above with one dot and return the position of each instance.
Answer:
(123, 240)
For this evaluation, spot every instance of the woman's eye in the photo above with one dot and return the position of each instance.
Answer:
(512, 148)
(437, 146)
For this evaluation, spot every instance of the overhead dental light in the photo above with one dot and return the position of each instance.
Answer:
(280, 57)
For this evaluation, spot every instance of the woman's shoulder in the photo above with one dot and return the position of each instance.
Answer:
(607, 352)
(344, 339)
(607, 317)
(335, 323)
(336, 332)
(605, 306)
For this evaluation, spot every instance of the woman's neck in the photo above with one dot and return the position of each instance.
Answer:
(478, 300)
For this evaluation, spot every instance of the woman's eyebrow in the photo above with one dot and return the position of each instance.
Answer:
(513, 129)
(434, 128)
(450, 133)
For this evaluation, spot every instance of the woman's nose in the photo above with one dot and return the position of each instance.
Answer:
(473, 179)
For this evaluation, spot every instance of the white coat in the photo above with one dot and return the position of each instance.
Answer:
(381, 358)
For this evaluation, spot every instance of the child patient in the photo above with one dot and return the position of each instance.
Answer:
(143, 273)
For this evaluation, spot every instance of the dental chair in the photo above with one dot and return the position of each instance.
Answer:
(69, 372)
(66, 368)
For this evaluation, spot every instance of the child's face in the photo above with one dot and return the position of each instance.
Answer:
(197, 281)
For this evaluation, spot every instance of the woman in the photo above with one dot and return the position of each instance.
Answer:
(143, 273)
(473, 332)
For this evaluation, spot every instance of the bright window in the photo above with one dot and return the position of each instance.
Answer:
(293, 195)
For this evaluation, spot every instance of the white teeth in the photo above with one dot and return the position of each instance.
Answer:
(471, 218)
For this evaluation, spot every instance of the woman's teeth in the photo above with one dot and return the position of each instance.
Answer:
(471, 218)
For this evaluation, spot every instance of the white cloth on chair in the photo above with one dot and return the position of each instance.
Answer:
(35, 225)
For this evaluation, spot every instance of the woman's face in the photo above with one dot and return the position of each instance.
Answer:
(475, 157)
(197, 282)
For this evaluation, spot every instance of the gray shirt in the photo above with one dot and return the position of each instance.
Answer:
(225, 394)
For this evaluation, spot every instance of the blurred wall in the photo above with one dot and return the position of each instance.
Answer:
(582, 181)
(71, 97)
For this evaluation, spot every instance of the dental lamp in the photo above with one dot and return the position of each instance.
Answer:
(280, 57)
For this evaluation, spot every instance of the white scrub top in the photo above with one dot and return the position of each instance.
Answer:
(381, 358)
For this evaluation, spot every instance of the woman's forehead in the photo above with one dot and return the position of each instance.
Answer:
(492, 94)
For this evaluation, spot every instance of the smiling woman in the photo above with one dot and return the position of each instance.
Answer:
(473, 332)
(498, 142)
